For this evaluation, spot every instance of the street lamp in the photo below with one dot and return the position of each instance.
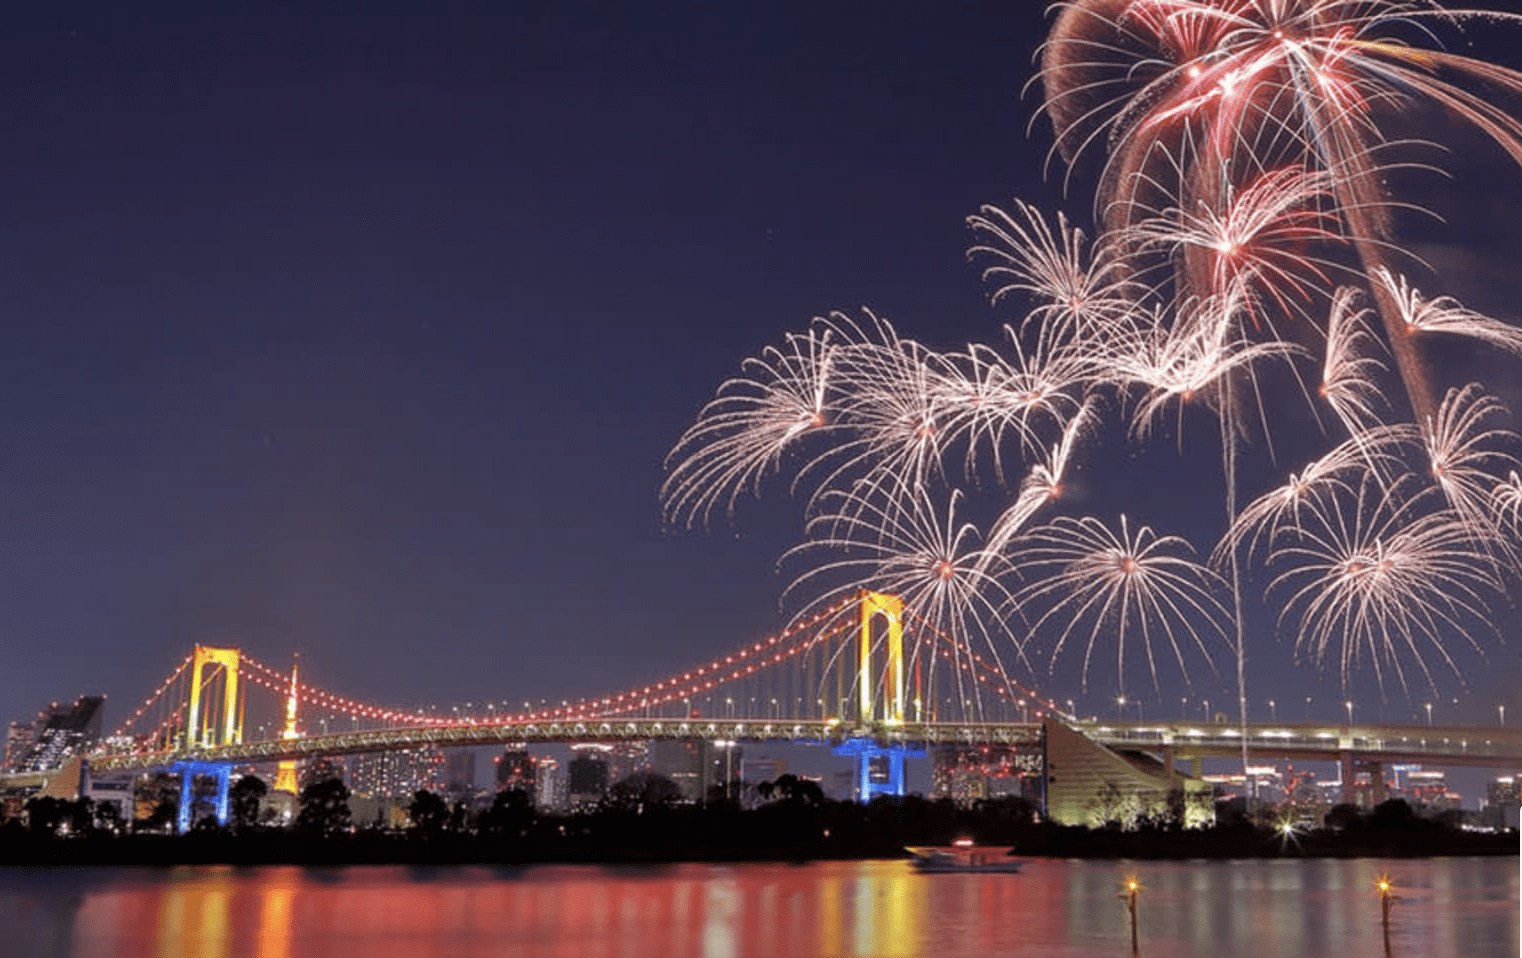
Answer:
(1349, 706)
(1429, 714)
(1273, 711)
(1501, 710)
(1183, 705)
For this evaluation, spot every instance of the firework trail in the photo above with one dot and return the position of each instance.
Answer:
(1131, 582)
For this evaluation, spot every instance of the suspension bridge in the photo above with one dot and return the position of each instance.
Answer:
(865, 677)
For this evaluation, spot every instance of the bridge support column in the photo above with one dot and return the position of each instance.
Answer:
(1377, 782)
(1168, 770)
(220, 771)
(879, 768)
(1349, 778)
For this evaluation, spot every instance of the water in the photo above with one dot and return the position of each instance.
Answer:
(1054, 909)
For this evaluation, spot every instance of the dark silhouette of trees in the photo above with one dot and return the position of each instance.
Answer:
(790, 788)
(511, 814)
(429, 813)
(324, 809)
(160, 794)
(243, 799)
(643, 790)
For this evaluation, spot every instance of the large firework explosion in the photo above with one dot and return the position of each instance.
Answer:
(1247, 241)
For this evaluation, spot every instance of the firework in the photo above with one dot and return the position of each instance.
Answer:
(1257, 237)
(1236, 85)
(987, 401)
(740, 436)
(1042, 485)
(1349, 373)
(899, 541)
(1193, 355)
(1463, 445)
(1132, 584)
(1079, 290)
(1278, 513)
(1445, 314)
(1372, 572)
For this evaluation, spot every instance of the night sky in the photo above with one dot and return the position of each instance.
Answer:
(364, 336)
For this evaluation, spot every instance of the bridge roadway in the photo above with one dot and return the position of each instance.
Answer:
(1477, 746)
(1499, 748)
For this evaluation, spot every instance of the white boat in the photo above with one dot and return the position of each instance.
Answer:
(964, 856)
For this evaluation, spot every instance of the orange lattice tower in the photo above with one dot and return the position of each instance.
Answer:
(285, 776)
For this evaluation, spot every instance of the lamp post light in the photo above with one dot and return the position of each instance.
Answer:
(1349, 706)
(1183, 706)
(1273, 711)
(1501, 711)
(1429, 714)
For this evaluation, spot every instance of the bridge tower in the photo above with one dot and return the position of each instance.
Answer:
(285, 775)
(215, 718)
(879, 694)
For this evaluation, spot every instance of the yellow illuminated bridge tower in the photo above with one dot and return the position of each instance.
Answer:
(879, 695)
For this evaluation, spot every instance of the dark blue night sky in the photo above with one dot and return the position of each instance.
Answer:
(364, 335)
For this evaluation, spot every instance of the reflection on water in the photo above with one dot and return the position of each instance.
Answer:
(1053, 909)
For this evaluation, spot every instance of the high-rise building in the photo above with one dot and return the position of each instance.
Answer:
(767, 768)
(460, 773)
(515, 770)
(627, 758)
(320, 769)
(549, 779)
(587, 775)
(698, 765)
(1502, 799)
(18, 743)
(62, 732)
(396, 774)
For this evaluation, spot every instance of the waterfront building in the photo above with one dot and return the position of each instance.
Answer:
(62, 732)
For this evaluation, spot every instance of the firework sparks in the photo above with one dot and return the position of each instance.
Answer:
(1079, 289)
(1348, 372)
(899, 541)
(1278, 513)
(740, 436)
(1463, 446)
(1133, 583)
(1370, 574)
(1445, 314)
